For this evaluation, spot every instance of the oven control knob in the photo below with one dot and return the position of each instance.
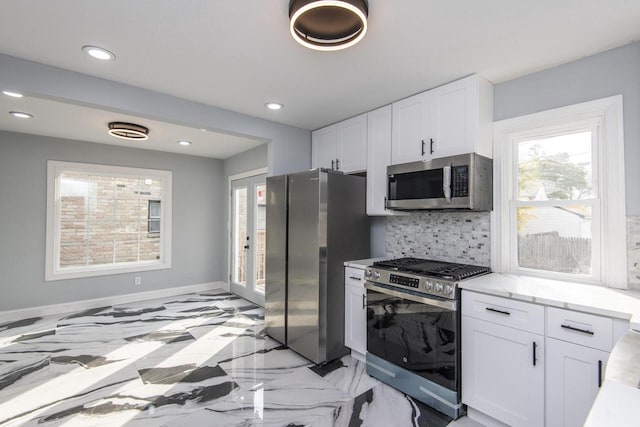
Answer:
(368, 273)
(448, 290)
(428, 285)
(376, 275)
(439, 288)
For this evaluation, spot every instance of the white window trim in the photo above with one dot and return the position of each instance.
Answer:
(53, 271)
(607, 115)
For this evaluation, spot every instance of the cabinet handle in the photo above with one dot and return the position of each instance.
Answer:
(423, 147)
(431, 146)
(364, 301)
(535, 346)
(571, 328)
(355, 278)
(599, 373)
(337, 164)
(332, 163)
(497, 311)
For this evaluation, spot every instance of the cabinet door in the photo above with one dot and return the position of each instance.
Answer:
(499, 377)
(378, 158)
(324, 148)
(453, 115)
(355, 333)
(574, 373)
(410, 122)
(352, 144)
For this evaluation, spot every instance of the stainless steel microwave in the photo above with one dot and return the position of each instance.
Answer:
(456, 182)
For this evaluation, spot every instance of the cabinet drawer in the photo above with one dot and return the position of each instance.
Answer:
(503, 311)
(353, 276)
(580, 328)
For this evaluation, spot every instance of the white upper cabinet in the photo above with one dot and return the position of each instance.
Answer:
(324, 144)
(410, 125)
(342, 146)
(378, 158)
(452, 119)
(352, 144)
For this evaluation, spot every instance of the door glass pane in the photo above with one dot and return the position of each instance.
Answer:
(557, 168)
(239, 235)
(260, 240)
(555, 238)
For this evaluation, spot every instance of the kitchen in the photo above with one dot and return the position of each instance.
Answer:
(604, 74)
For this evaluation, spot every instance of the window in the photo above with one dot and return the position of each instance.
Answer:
(153, 219)
(106, 220)
(560, 209)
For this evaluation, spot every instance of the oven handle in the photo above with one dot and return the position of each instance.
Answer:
(447, 305)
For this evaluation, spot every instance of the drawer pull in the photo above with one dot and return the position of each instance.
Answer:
(355, 278)
(497, 311)
(571, 328)
(535, 347)
(364, 301)
(599, 373)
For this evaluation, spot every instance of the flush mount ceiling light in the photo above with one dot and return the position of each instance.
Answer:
(98, 53)
(128, 131)
(274, 105)
(184, 142)
(21, 115)
(12, 94)
(328, 24)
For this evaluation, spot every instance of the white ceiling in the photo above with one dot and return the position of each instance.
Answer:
(238, 54)
(60, 120)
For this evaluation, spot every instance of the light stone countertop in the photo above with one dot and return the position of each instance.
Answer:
(573, 296)
(362, 263)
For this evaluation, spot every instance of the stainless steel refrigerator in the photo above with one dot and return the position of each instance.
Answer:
(316, 221)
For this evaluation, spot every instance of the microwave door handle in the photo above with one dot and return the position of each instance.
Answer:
(446, 182)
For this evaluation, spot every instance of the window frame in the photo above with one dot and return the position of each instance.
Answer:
(53, 272)
(603, 116)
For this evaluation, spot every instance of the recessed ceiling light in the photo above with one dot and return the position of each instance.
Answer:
(130, 131)
(328, 24)
(20, 114)
(184, 142)
(98, 53)
(274, 105)
(12, 94)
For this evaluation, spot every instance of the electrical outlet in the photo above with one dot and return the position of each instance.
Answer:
(137, 280)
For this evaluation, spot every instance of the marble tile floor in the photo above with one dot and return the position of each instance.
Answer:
(193, 360)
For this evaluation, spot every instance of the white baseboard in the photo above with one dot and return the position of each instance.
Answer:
(74, 306)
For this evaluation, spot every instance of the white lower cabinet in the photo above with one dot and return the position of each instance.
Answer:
(500, 377)
(355, 325)
(574, 376)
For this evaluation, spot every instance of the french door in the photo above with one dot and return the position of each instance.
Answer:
(248, 237)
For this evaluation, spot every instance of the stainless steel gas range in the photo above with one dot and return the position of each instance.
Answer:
(413, 328)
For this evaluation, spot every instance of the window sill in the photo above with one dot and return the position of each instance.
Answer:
(83, 272)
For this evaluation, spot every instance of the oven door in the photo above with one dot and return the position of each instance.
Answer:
(419, 334)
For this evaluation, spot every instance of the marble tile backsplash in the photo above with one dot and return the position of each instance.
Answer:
(465, 237)
(633, 251)
(444, 236)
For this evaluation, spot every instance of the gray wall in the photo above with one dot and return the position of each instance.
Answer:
(198, 228)
(613, 72)
(253, 159)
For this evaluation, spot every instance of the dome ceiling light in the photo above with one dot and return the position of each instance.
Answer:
(128, 131)
(328, 24)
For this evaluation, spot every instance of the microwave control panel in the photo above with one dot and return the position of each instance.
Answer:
(460, 181)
